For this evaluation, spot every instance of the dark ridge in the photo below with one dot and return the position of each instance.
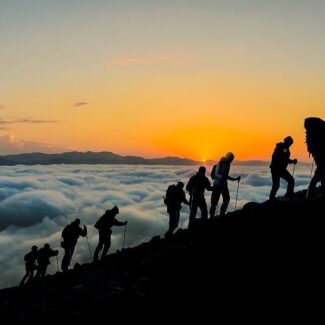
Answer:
(74, 157)
(266, 258)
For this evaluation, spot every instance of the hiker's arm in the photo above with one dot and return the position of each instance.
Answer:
(119, 223)
(184, 200)
(293, 161)
(208, 185)
(234, 178)
(83, 232)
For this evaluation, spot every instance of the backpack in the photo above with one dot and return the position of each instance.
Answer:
(190, 184)
(66, 232)
(213, 171)
(315, 135)
(171, 190)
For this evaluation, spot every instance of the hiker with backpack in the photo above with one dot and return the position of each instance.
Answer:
(70, 235)
(43, 259)
(220, 177)
(30, 265)
(196, 186)
(279, 164)
(175, 196)
(315, 139)
(104, 226)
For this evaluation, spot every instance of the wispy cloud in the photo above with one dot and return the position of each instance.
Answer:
(2, 106)
(10, 145)
(26, 121)
(79, 104)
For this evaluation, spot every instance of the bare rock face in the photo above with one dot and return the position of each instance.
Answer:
(266, 258)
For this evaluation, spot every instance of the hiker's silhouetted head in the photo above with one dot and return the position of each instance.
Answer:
(288, 141)
(47, 246)
(34, 248)
(77, 222)
(230, 156)
(202, 170)
(115, 210)
(180, 184)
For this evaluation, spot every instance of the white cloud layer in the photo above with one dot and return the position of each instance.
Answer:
(36, 202)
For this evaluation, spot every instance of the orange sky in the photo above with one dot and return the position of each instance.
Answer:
(160, 79)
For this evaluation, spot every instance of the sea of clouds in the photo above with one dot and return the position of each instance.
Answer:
(36, 202)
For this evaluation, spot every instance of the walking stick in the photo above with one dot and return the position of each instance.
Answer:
(237, 195)
(124, 236)
(89, 250)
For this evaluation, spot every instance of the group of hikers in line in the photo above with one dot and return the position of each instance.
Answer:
(39, 259)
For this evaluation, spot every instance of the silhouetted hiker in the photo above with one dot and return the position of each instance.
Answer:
(175, 196)
(30, 265)
(104, 226)
(70, 235)
(315, 139)
(196, 186)
(279, 164)
(43, 259)
(220, 176)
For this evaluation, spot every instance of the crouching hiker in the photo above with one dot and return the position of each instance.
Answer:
(30, 265)
(43, 259)
(104, 226)
(70, 235)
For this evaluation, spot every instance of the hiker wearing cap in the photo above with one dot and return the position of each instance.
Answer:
(279, 164)
(43, 259)
(30, 265)
(196, 186)
(175, 196)
(104, 226)
(220, 176)
(70, 235)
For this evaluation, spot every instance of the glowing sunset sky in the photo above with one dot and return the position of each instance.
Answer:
(193, 78)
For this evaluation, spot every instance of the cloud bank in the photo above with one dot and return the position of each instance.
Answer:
(36, 202)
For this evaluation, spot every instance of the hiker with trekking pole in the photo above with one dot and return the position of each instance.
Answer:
(279, 164)
(104, 226)
(220, 177)
(70, 235)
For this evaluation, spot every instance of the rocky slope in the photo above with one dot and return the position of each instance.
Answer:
(263, 258)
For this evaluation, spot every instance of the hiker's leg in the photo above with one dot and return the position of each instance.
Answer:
(97, 250)
(66, 259)
(226, 200)
(291, 182)
(312, 186)
(215, 196)
(204, 208)
(275, 184)
(193, 211)
(107, 245)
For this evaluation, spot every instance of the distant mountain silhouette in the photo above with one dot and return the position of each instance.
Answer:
(91, 158)
(266, 259)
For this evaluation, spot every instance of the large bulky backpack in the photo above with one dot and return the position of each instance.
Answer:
(170, 194)
(315, 135)
(66, 232)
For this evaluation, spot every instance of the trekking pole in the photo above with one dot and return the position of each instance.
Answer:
(124, 236)
(237, 195)
(57, 263)
(89, 250)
